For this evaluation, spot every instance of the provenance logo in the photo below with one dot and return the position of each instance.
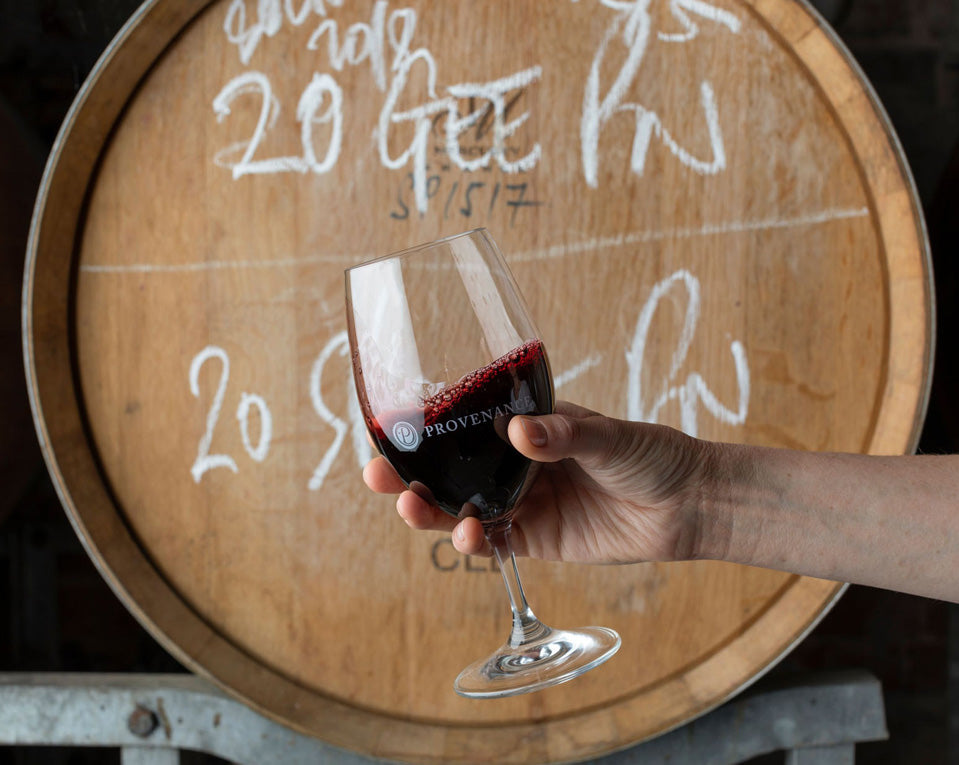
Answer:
(405, 436)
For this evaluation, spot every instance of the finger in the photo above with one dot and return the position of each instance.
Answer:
(590, 438)
(421, 515)
(380, 476)
(573, 410)
(468, 538)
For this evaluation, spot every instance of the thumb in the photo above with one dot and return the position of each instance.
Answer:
(591, 440)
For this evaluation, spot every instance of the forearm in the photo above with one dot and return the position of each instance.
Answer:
(889, 522)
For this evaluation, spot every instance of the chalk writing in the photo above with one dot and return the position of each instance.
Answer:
(642, 404)
(579, 369)
(423, 116)
(364, 42)
(563, 250)
(249, 402)
(388, 35)
(204, 460)
(268, 20)
(693, 391)
(386, 44)
(632, 26)
(307, 114)
(361, 447)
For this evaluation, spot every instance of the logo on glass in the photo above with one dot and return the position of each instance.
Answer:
(405, 436)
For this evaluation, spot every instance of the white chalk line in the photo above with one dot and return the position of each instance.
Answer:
(571, 374)
(555, 251)
(712, 229)
(218, 265)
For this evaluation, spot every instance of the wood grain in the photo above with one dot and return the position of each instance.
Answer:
(757, 271)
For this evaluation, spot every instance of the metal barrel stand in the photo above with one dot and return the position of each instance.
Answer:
(151, 718)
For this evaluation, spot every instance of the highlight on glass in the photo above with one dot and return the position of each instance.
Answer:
(444, 353)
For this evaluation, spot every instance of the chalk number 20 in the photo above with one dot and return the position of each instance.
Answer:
(307, 114)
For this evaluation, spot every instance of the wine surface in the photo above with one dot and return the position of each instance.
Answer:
(455, 446)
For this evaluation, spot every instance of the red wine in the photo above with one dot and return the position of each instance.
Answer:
(456, 445)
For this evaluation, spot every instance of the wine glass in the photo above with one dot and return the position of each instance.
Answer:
(444, 354)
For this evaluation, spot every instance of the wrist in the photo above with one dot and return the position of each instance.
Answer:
(723, 468)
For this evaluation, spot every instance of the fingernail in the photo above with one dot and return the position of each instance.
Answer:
(458, 534)
(534, 431)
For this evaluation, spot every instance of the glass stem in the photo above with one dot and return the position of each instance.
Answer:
(526, 627)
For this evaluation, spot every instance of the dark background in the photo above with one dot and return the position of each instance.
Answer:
(57, 614)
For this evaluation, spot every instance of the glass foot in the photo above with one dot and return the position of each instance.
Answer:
(553, 657)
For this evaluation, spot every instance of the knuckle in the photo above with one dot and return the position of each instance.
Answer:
(564, 429)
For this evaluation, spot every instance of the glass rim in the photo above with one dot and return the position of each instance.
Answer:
(418, 247)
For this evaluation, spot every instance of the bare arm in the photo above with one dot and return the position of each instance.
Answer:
(890, 522)
(616, 491)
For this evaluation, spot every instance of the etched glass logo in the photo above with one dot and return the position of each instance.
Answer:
(405, 436)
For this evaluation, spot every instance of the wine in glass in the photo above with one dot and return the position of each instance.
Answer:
(444, 354)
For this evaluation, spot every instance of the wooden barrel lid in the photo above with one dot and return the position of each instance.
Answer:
(712, 223)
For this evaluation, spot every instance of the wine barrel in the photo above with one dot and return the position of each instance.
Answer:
(714, 228)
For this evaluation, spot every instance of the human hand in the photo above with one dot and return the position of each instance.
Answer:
(607, 491)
